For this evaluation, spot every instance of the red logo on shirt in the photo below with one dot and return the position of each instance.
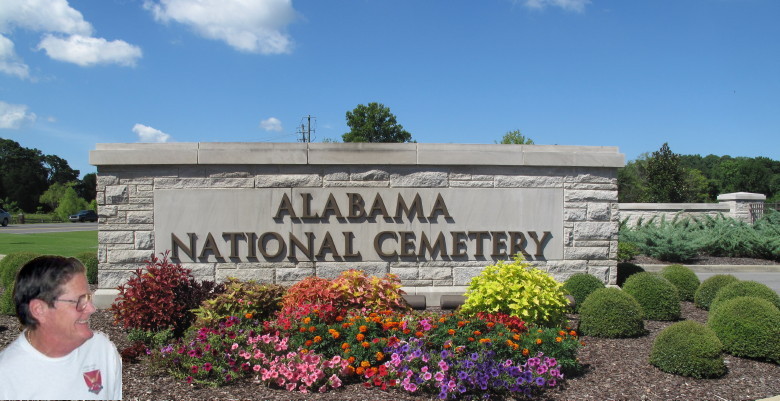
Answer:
(94, 381)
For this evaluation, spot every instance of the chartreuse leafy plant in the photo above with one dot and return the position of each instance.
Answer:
(709, 289)
(688, 348)
(517, 289)
(747, 327)
(580, 285)
(684, 279)
(240, 298)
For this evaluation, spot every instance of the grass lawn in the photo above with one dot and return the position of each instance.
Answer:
(64, 244)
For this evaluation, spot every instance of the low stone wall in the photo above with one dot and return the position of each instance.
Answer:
(247, 210)
(742, 206)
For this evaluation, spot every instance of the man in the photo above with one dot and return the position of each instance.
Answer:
(57, 356)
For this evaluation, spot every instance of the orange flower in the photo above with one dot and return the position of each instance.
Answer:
(345, 346)
(360, 370)
(558, 339)
(365, 364)
(379, 356)
(363, 329)
(540, 331)
(350, 370)
(365, 344)
(484, 340)
(306, 320)
(334, 333)
(346, 325)
(525, 352)
(312, 329)
(561, 333)
(360, 337)
(351, 359)
(302, 329)
(573, 333)
(248, 316)
(304, 351)
(471, 338)
(477, 333)
(442, 320)
(491, 324)
(516, 337)
(339, 318)
(451, 332)
(419, 334)
(538, 341)
(461, 323)
(308, 343)
(447, 345)
(317, 339)
(407, 331)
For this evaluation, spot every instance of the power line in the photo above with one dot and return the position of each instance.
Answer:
(305, 130)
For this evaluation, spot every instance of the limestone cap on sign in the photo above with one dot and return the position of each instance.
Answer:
(106, 154)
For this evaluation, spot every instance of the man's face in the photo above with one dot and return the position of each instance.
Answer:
(71, 326)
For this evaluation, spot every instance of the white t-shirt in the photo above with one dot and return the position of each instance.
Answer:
(92, 371)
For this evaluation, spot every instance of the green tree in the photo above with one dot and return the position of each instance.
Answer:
(58, 170)
(54, 194)
(374, 123)
(24, 177)
(665, 177)
(87, 187)
(515, 138)
(70, 203)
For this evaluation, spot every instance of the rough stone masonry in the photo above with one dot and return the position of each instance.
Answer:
(433, 214)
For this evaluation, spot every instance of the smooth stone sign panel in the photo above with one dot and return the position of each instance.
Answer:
(359, 224)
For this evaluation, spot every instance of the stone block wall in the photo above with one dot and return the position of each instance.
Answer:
(129, 175)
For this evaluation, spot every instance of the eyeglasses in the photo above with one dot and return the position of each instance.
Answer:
(81, 303)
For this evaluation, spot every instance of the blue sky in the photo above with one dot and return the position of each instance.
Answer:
(702, 75)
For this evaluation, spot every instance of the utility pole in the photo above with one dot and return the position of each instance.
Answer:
(306, 130)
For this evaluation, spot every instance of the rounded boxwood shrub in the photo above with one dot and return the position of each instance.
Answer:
(611, 313)
(517, 289)
(657, 296)
(626, 270)
(90, 261)
(684, 279)
(688, 348)
(745, 289)
(747, 327)
(709, 289)
(580, 285)
(9, 266)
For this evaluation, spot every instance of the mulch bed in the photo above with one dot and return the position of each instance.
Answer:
(615, 369)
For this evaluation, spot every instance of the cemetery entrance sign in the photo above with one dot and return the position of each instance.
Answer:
(433, 214)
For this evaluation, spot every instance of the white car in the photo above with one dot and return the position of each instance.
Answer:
(5, 217)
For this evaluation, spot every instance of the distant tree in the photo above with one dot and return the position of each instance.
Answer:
(632, 181)
(70, 204)
(374, 123)
(515, 138)
(87, 187)
(24, 177)
(58, 170)
(665, 177)
(52, 196)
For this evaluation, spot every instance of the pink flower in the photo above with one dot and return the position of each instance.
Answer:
(427, 376)
(256, 368)
(207, 366)
(233, 347)
(334, 381)
(439, 376)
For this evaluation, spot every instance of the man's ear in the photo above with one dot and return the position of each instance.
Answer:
(38, 309)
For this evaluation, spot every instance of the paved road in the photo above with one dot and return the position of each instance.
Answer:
(47, 228)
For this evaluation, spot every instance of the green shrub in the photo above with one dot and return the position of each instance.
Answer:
(730, 237)
(745, 289)
(671, 241)
(626, 251)
(90, 261)
(581, 285)
(517, 289)
(9, 266)
(748, 327)
(688, 348)
(657, 296)
(626, 270)
(611, 313)
(250, 300)
(684, 279)
(709, 289)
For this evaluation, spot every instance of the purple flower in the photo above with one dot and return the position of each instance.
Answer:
(539, 381)
(463, 375)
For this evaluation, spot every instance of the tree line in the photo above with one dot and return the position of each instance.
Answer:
(665, 177)
(32, 182)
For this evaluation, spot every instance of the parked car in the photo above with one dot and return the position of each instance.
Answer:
(5, 217)
(84, 215)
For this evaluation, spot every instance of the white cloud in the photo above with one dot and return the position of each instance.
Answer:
(252, 26)
(74, 42)
(149, 134)
(271, 124)
(568, 5)
(10, 62)
(13, 116)
(43, 16)
(87, 51)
